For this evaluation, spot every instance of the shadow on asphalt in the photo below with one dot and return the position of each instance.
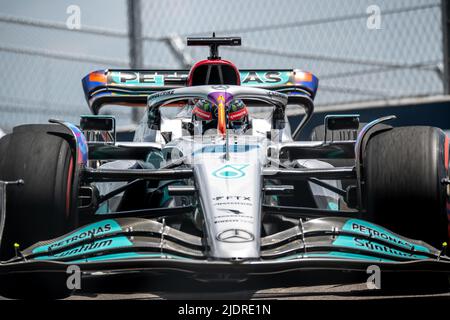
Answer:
(320, 285)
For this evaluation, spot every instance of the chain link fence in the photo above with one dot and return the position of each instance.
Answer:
(361, 50)
(42, 61)
(332, 39)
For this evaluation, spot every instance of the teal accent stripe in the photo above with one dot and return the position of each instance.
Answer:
(333, 206)
(370, 246)
(378, 234)
(95, 229)
(129, 255)
(336, 254)
(96, 246)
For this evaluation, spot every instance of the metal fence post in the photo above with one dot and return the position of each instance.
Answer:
(446, 44)
(135, 43)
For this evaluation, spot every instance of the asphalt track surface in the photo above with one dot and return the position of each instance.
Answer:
(270, 287)
(322, 292)
(312, 287)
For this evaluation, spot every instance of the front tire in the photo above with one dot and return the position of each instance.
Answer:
(403, 169)
(43, 208)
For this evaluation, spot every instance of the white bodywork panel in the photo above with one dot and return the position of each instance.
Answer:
(229, 185)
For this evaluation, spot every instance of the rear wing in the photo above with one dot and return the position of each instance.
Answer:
(132, 87)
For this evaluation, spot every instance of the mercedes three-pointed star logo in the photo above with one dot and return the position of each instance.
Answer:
(235, 235)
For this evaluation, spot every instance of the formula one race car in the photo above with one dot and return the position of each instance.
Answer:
(216, 186)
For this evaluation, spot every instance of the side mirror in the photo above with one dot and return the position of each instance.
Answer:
(95, 126)
(341, 122)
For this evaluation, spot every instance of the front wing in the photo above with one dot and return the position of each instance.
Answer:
(137, 244)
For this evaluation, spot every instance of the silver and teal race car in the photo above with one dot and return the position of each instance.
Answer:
(216, 186)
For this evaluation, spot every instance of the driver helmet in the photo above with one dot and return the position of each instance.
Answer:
(207, 112)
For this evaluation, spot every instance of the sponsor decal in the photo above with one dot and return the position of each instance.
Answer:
(237, 115)
(92, 230)
(205, 115)
(231, 218)
(137, 78)
(280, 78)
(233, 211)
(377, 232)
(244, 198)
(235, 236)
(259, 78)
(161, 94)
(366, 245)
(230, 171)
(99, 245)
(232, 200)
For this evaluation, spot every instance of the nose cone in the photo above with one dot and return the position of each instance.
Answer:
(230, 193)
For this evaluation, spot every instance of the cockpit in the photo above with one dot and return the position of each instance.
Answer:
(195, 117)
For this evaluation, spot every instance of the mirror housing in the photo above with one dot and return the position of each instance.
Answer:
(342, 122)
(95, 126)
